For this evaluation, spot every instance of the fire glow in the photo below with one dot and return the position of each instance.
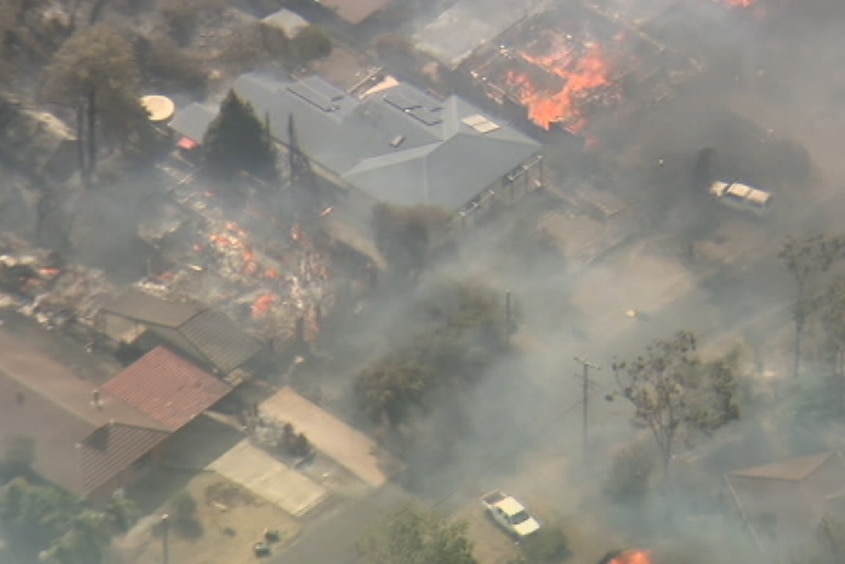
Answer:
(582, 74)
(633, 557)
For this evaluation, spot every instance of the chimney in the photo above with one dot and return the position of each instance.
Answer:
(19, 397)
(95, 398)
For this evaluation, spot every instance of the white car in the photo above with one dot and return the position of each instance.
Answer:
(742, 197)
(509, 514)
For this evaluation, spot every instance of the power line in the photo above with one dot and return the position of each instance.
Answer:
(585, 385)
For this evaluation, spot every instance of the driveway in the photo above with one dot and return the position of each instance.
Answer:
(331, 436)
(266, 477)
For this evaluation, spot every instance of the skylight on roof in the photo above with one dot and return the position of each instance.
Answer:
(480, 123)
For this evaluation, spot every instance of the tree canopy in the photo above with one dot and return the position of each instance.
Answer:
(674, 392)
(465, 330)
(414, 535)
(237, 140)
(99, 62)
(43, 520)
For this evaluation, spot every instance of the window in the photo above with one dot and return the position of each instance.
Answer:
(520, 517)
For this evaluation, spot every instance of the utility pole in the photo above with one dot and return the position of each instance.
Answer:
(165, 525)
(508, 317)
(585, 383)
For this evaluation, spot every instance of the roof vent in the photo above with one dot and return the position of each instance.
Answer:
(95, 399)
(397, 141)
(480, 123)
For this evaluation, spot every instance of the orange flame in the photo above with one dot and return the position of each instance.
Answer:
(633, 557)
(582, 75)
(261, 306)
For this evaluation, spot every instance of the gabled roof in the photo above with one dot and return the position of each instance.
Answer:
(793, 470)
(399, 145)
(79, 445)
(355, 11)
(192, 121)
(209, 336)
(216, 339)
(167, 388)
(145, 308)
(783, 503)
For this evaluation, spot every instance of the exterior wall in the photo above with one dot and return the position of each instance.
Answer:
(507, 191)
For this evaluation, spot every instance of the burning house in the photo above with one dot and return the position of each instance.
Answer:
(562, 68)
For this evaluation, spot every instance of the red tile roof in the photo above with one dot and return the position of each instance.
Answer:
(167, 388)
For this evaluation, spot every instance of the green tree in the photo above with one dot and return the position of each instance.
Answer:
(674, 392)
(807, 260)
(466, 333)
(237, 140)
(312, 42)
(17, 457)
(414, 535)
(95, 73)
(831, 304)
(41, 519)
(182, 16)
(404, 234)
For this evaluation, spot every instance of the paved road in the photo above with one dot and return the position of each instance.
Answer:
(332, 537)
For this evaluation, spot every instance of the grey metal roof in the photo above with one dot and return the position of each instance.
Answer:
(208, 335)
(192, 121)
(467, 25)
(219, 341)
(145, 308)
(399, 145)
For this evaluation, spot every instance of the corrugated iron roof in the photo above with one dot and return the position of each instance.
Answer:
(112, 448)
(145, 308)
(796, 469)
(219, 340)
(167, 388)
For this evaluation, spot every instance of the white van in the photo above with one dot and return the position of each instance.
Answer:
(742, 197)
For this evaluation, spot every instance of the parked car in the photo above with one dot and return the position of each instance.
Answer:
(509, 514)
(742, 197)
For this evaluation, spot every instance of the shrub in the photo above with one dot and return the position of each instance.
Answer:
(549, 545)
(630, 474)
(183, 506)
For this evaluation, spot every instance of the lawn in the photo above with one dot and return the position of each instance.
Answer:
(228, 521)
